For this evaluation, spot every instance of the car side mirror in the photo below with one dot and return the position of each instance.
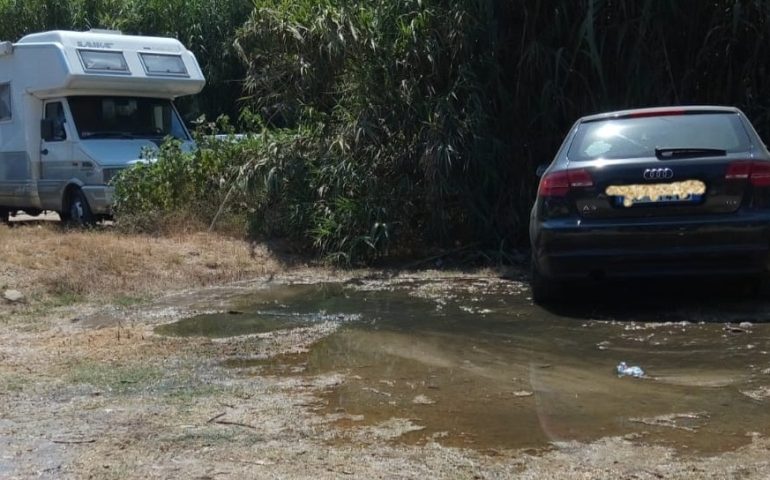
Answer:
(541, 169)
(46, 129)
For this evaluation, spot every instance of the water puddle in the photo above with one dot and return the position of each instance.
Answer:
(270, 310)
(472, 363)
(233, 324)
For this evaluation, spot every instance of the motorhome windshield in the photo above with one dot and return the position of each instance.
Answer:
(100, 117)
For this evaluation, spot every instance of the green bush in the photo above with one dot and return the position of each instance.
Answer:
(394, 99)
(424, 120)
(202, 185)
(387, 126)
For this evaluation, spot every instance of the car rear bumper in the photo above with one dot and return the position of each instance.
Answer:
(641, 247)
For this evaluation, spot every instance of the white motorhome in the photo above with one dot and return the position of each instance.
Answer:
(77, 107)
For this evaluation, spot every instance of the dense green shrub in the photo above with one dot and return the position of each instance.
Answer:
(390, 124)
(428, 117)
(201, 185)
(397, 100)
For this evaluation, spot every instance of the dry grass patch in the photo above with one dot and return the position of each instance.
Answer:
(49, 261)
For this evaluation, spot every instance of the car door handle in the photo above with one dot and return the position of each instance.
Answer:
(44, 151)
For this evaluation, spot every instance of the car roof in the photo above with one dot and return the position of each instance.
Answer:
(651, 112)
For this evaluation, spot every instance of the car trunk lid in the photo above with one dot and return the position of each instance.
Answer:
(653, 187)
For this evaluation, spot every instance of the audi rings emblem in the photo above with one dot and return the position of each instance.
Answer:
(658, 174)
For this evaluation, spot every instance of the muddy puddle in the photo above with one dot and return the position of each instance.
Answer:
(471, 362)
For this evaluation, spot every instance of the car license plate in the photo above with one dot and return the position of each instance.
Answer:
(689, 191)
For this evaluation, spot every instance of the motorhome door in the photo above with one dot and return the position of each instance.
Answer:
(56, 145)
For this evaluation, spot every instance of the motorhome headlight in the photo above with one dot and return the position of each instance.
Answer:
(110, 173)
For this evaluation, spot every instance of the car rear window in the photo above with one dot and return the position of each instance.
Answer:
(639, 137)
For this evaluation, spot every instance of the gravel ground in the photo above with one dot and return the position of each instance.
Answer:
(88, 390)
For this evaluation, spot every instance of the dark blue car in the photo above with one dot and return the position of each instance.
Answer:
(651, 193)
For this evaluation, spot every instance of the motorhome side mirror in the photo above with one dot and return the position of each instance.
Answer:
(541, 169)
(46, 129)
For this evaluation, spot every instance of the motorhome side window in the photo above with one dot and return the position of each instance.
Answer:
(99, 61)
(163, 64)
(54, 111)
(5, 102)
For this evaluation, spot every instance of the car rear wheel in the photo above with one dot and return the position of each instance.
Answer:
(544, 290)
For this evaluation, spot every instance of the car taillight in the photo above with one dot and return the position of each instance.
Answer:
(757, 173)
(558, 184)
(760, 174)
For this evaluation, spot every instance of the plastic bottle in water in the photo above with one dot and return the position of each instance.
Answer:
(626, 371)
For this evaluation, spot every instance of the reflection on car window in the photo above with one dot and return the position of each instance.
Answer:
(125, 117)
(639, 137)
(598, 148)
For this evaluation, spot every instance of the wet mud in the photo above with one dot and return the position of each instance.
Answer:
(472, 363)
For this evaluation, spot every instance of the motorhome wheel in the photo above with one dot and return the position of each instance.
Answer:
(79, 210)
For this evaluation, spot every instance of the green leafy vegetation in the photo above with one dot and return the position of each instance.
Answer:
(389, 127)
(201, 186)
(427, 118)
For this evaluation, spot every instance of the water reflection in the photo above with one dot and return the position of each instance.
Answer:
(476, 364)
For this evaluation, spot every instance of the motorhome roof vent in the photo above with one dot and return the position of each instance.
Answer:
(106, 31)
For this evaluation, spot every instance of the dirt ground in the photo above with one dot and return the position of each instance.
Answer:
(88, 390)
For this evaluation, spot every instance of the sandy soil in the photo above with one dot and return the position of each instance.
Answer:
(88, 390)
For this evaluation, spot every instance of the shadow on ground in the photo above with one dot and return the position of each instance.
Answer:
(707, 299)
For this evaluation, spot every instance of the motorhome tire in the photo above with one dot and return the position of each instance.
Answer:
(79, 212)
(5, 215)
